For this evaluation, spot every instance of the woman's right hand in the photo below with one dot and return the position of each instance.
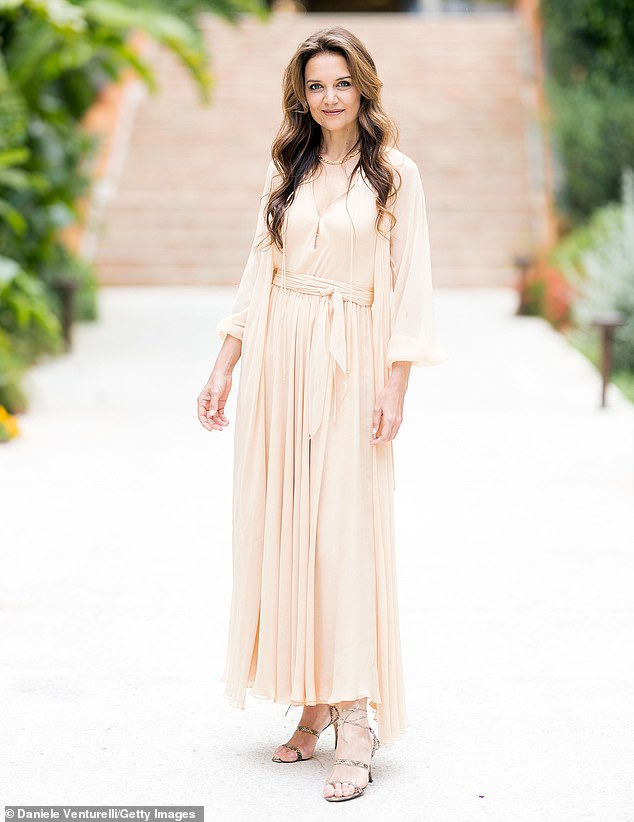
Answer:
(212, 400)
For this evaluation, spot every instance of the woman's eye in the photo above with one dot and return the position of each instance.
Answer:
(317, 86)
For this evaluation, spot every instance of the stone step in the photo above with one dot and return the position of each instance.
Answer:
(444, 192)
(436, 164)
(164, 223)
(187, 202)
(418, 104)
(451, 247)
(213, 223)
(464, 275)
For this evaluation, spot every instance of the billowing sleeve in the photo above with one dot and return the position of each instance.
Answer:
(413, 335)
(234, 323)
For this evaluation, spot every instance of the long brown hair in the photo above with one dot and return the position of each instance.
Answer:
(295, 150)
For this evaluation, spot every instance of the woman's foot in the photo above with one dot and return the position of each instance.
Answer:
(355, 741)
(316, 717)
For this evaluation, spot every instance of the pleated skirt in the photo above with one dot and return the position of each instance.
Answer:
(323, 614)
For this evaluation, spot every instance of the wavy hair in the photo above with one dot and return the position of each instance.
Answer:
(295, 150)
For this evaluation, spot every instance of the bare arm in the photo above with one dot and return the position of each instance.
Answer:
(413, 341)
(213, 398)
(388, 410)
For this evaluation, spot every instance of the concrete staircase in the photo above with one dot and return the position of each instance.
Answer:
(459, 86)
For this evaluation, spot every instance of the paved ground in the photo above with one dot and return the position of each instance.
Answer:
(515, 499)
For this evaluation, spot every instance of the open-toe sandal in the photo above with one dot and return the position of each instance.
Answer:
(300, 758)
(358, 789)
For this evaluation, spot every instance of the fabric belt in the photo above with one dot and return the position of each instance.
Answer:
(331, 336)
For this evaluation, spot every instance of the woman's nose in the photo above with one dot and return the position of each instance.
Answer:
(331, 96)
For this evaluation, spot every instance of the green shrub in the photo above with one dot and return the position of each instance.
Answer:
(601, 268)
(589, 40)
(28, 328)
(593, 134)
(589, 56)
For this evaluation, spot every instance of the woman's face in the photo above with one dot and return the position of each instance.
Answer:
(333, 100)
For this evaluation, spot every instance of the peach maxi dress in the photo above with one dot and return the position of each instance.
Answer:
(314, 613)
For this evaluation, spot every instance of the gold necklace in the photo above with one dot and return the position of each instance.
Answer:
(339, 162)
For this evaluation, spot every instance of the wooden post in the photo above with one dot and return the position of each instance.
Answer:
(607, 321)
(523, 263)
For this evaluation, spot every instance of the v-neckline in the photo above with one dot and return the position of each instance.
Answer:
(332, 202)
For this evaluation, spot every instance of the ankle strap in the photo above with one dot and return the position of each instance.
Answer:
(343, 714)
(352, 762)
(308, 730)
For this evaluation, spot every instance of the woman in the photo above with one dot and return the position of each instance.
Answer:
(333, 309)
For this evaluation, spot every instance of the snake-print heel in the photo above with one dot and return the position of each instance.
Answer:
(358, 790)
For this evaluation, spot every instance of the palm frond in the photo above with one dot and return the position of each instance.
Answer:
(59, 14)
(176, 34)
(12, 218)
(14, 157)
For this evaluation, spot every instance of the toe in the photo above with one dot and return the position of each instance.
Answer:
(291, 755)
(287, 754)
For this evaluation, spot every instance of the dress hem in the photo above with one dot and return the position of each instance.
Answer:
(319, 700)
(237, 703)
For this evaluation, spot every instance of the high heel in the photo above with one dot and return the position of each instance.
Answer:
(334, 715)
(358, 790)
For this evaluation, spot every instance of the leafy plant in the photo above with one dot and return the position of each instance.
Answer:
(589, 40)
(28, 328)
(593, 132)
(589, 54)
(545, 292)
(603, 274)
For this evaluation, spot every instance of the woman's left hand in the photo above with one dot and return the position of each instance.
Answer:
(388, 409)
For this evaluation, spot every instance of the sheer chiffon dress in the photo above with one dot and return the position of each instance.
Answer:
(314, 612)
